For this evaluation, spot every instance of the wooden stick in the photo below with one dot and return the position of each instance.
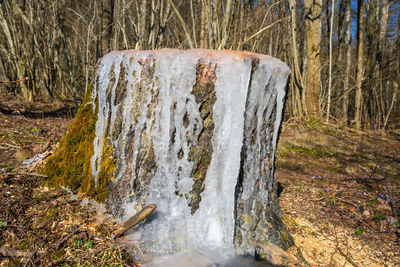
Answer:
(17, 81)
(134, 220)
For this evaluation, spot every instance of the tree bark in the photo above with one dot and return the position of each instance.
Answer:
(313, 10)
(226, 24)
(346, 86)
(203, 26)
(15, 58)
(360, 63)
(330, 62)
(299, 86)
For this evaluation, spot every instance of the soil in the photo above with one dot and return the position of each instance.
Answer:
(335, 200)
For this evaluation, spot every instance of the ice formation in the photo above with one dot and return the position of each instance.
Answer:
(194, 132)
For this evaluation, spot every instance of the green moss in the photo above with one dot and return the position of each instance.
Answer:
(314, 123)
(247, 219)
(335, 169)
(265, 241)
(106, 173)
(285, 238)
(291, 166)
(304, 150)
(23, 245)
(70, 165)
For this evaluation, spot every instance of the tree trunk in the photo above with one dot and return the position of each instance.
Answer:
(330, 62)
(360, 63)
(15, 58)
(313, 32)
(203, 26)
(226, 24)
(183, 25)
(142, 18)
(299, 86)
(384, 12)
(346, 86)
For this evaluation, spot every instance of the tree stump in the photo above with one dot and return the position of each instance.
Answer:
(194, 132)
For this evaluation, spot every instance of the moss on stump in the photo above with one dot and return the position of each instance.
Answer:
(70, 165)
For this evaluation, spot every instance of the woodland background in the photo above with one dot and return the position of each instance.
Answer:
(340, 179)
(344, 55)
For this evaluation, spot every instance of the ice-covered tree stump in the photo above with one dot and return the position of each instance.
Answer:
(194, 132)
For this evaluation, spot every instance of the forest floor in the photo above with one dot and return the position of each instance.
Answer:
(334, 200)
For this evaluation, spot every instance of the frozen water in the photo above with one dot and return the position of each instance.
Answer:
(241, 94)
(33, 161)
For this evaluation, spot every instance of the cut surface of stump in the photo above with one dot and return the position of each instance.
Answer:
(194, 132)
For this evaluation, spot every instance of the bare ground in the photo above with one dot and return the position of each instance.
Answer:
(334, 200)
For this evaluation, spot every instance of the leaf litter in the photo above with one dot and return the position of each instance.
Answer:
(46, 226)
(336, 205)
(334, 200)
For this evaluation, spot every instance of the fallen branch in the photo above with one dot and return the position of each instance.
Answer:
(134, 220)
(348, 258)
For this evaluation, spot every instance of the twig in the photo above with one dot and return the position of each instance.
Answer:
(348, 258)
(345, 201)
(17, 81)
(260, 31)
(183, 24)
(27, 174)
(57, 245)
